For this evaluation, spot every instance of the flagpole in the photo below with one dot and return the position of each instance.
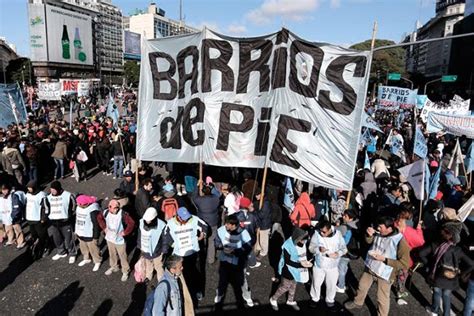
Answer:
(422, 189)
(372, 47)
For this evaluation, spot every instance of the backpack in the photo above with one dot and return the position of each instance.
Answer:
(150, 300)
(169, 207)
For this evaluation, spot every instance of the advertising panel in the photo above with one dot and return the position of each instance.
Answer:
(37, 26)
(132, 45)
(69, 36)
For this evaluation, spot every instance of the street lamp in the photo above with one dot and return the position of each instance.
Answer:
(426, 85)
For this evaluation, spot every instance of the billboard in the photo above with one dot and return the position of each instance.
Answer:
(132, 45)
(37, 27)
(69, 36)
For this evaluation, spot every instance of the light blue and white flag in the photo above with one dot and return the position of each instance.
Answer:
(367, 161)
(112, 110)
(12, 105)
(289, 198)
(421, 148)
(432, 182)
(469, 161)
(369, 122)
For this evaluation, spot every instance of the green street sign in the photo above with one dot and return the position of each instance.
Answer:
(450, 78)
(394, 76)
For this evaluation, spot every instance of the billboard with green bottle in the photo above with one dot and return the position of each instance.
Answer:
(69, 36)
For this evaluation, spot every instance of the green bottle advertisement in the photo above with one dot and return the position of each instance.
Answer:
(78, 53)
(65, 43)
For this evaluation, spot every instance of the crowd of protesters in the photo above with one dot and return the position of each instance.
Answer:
(181, 224)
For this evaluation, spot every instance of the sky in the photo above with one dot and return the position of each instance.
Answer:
(342, 22)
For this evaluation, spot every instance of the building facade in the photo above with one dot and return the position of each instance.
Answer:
(154, 24)
(432, 59)
(105, 38)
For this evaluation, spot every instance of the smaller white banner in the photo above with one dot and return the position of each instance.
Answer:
(395, 98)
(50, 91)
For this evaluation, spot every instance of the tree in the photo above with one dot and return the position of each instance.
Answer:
(132, 72)
(19, 70)
(384, 61)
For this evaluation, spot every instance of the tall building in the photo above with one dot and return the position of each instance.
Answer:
(462, 52)
(154, 24)
(432, 59)
(105, 38)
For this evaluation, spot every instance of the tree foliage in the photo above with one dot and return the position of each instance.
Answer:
(132, 72)
(19, 70)
(384, 61)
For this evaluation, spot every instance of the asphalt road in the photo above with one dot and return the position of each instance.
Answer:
(47, 287)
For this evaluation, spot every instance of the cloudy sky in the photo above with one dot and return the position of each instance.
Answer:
(342, 22)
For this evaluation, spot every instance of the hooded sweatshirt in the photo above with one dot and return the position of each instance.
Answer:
(303, 212)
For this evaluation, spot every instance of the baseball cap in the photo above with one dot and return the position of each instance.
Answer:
(184, 214)
(150, 214)
(128, 173)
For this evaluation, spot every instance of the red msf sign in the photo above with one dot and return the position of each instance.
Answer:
(70, 85)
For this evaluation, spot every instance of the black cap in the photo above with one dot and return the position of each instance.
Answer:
(128, 173)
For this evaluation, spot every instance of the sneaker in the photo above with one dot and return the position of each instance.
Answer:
(249, 302)
(124, 277)
(258, 264)
(274, 304)
(402, 295)
(199, 296)
(84, 262)
(313, 304)
(351, 305)
(340, 290)
(293, 305)
(96, 267)
(114, 177)
(218, 298)
(430, 311)
(401, 302)
(103, 172)
(57, 256)
(72, 259)
(111, 270)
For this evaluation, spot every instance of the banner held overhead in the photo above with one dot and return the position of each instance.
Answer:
(237, 102)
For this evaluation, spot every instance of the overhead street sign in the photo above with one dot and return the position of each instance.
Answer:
(394, 76)
(450, 78)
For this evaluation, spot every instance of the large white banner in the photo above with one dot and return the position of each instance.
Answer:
(69, 36)
(452, 124)
(457, 106)
(50, 91)
(235, 102)
(37, 29)
(394, 98)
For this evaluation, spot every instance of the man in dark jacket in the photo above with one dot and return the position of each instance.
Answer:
(143, 197)
(127, 185)
(208, 210)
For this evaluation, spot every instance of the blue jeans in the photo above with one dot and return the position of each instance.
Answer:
(118, 166)
(469, 305)
(59, 171)
(342, 267)
(33, 174)
(435, 306)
